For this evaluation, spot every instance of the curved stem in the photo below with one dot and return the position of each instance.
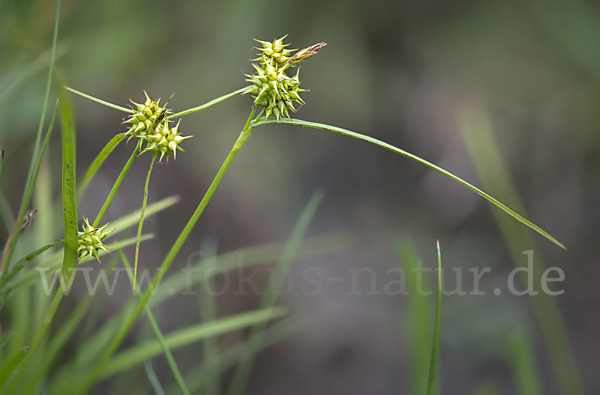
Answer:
(139, 233)
(397, 150)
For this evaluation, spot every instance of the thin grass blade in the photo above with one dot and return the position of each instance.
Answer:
(418, 321)
(69, 197)
(98, 161)
(139, 353)
(390, 147)
(436, 328)
(104, 103)
(523, 364)
(210, 103)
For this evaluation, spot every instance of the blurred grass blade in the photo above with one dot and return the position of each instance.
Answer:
(199, 376)
(419, 322)
(527, 378)
(98, 161)
(10, 368)
(21, 75)
(276, 281)
(104, 103)
(436, 328)
(382, 144)
(11, 241)
(477, 133)
(55, 262)
(157, 333)
(69, 198)
(208, 312)
(6, 213)
(1, 161)
(154, 382)
(210, 103)
(131, 219)
(139, 353)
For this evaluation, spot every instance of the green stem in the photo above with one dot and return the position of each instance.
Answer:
(126, 326)
(116, 186)
(139, 233)
(210, 103)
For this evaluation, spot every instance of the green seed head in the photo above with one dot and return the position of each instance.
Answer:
(272, 88)
(90, 240)
(146, 118)
(164, 140)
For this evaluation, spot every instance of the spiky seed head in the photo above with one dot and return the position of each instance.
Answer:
(272, 88)
(90, 240)
(164, 140)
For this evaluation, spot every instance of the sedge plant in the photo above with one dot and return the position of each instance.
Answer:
(275, 90)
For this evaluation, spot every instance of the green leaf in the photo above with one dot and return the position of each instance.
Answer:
(418, 321)
(98, 161)
(104, 103)
(139, 353)
(523, 365)
(29, 184)
(10, 368)
(390, 147)
(69, 198)
(436, 328)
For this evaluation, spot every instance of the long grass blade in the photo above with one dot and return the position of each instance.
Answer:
(436, 328)
(6, 257)
(11, 241)
(418, 322)
(154, 382)
(132, 218)
(526, 374)
(9, 369)
(478, 136)
(390, 147)
(104, 103)
(98, 161)
(69, 197)
(139, 353)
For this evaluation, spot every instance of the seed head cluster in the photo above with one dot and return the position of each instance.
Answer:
(272, 88)
(150, 124)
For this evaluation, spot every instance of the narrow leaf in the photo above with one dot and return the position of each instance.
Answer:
(184, 337)
(390, 147)
(68, 186)
(436, 328)
(104, 103)
(98, 161)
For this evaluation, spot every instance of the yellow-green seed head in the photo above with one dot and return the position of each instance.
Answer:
(90, 240)
(146, 118)
(272, 88)
(164, 140)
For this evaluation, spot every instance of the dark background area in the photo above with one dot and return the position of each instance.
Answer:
(400, 71)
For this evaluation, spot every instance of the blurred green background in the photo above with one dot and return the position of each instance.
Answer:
(503, 94)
